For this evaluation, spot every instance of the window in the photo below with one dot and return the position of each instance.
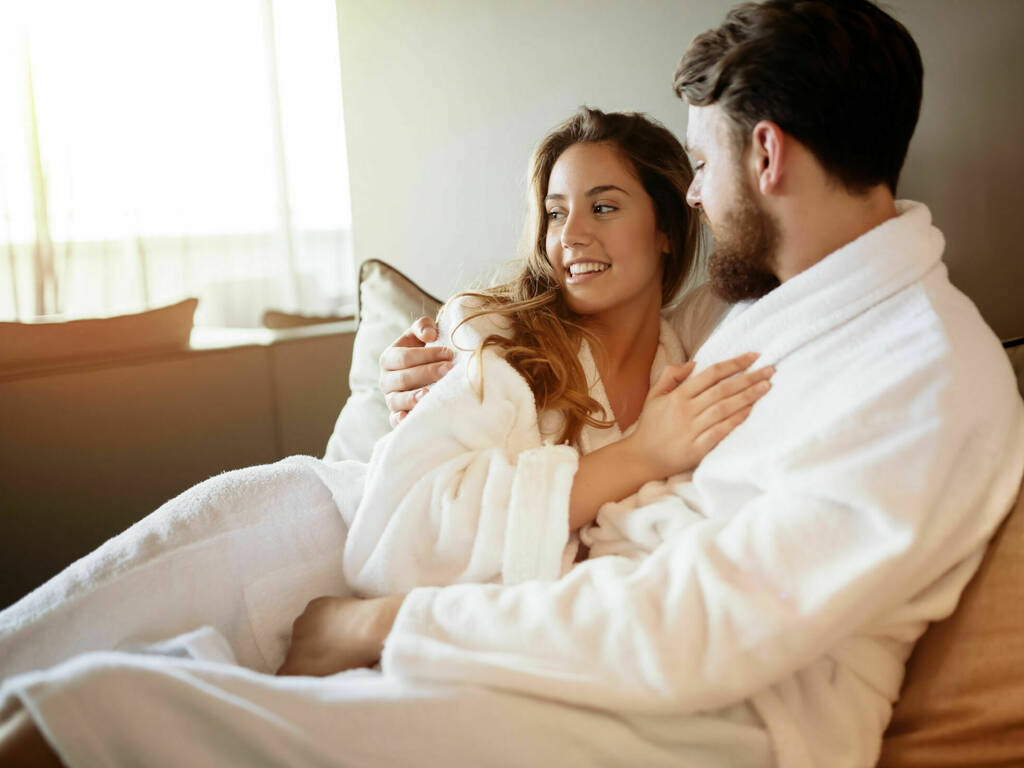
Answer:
(156, 150)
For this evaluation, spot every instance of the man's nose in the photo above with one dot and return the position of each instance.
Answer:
(693, 195)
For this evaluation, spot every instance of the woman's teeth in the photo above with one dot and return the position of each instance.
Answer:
(590, 266)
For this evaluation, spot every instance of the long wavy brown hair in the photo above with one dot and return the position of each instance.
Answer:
(545, 335)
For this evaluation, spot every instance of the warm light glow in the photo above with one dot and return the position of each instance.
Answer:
(150, 112)
(155, 119)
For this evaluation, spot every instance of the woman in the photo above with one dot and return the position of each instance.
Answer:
(565, 384)
(556, 412)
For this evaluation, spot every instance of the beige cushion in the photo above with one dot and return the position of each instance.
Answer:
(389, 302)
(25, 344)
(962, 702)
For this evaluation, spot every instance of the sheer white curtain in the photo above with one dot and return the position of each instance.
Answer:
(157, 149)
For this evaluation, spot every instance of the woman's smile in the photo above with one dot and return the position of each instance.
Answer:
(585, 271)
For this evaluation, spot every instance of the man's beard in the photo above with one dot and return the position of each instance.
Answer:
(740, 267)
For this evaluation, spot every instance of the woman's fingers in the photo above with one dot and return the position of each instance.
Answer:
(671, 377)
(422, 331)
(407, 367)
(726, 407)
(411, 378)
(401, 402)
(396, 358)
(717, 372)
(734, 385)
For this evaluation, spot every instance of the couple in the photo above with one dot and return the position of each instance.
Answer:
(755, 612)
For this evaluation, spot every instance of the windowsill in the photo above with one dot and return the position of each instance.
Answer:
(204, 340)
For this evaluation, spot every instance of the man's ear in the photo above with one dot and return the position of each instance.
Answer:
(768, 156)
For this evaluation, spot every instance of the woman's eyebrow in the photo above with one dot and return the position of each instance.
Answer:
(605, 188)
(591, 192)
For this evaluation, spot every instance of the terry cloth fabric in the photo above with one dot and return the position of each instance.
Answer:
(125, 709)
(242, 552)
(471, 487)
(799, 563)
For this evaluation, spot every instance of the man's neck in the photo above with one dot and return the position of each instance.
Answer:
(815, 225)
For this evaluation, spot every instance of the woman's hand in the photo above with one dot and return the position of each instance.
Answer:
(338, 633)
(408, 366)
(685, 416)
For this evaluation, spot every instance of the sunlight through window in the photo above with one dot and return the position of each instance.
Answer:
(158, 150)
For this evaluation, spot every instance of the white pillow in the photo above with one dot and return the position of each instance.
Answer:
(388, 303)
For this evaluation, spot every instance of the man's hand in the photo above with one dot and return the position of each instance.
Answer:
(408, 366)
(338, 633)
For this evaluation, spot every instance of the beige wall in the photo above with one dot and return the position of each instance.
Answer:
(445, 99)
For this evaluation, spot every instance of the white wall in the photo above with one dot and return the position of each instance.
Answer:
(444, 101)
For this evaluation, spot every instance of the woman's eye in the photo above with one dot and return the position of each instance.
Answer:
(553, 215)
(604, 208)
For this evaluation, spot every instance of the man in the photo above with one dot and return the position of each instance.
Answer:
(846, 513)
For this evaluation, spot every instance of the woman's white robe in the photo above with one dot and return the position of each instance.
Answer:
(762, 611)
(472, 487)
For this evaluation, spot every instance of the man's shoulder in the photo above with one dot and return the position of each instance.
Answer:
(928, 341)
(971, 349)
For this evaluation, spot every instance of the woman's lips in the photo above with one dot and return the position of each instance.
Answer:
(584, 277)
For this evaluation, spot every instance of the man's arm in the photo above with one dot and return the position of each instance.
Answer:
(839, 540)
(408, 366)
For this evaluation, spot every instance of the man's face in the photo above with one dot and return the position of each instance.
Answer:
(746, 236)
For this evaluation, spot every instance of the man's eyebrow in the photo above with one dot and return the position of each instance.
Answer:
(591, 192)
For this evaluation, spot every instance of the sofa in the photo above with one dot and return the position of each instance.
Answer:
(101, 421)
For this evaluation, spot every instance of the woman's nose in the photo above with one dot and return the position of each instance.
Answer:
(575, 231)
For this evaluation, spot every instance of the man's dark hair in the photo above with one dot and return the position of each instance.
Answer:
(841, 76)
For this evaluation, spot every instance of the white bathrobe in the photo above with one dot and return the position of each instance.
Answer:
(762, 611)
(472, 486)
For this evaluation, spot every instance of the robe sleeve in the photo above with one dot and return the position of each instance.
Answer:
(465, 489)
(731, 605)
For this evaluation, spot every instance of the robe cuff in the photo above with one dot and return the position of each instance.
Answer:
(408, 644)
(538, 518)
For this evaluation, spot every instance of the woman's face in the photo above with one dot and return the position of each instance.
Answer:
(602, 239)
